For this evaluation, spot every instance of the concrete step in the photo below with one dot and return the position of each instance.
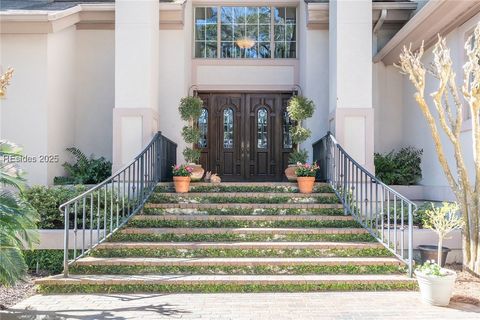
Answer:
(195, 280)
(275, 231)
(320, 245)
(245, 194)
(244, 184)
(174, 217)
(201, 206)
(244, 212)
(327, 261)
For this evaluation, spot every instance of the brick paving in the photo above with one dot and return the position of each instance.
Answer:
(259, 306)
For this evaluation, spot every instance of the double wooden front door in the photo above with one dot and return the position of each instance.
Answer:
(245, 136)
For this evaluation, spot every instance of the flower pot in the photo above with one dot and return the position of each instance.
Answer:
(305, 184)
(436, 290)
(429, 253)
(290, 172)
(182, 184)
(197, 173)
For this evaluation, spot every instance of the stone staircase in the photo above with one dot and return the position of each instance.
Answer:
(237, 237)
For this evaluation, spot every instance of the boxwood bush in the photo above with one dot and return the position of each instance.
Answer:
(399, 168)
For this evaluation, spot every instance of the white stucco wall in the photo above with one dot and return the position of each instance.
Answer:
(399, 115)
(24, 111)
(95, 95)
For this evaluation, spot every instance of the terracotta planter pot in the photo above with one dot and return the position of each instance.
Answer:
(197, 173)
(182, 184)
(305, 184)
(290, 172)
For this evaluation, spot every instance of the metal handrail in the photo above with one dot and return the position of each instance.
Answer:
(95, 215)
(383, 212)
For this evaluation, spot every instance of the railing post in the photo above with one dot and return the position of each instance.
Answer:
(159, 158)
(65, 243)
(410, 240)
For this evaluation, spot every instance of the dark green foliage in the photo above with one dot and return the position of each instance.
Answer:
(190, 108)
(47, 200)
(85, 170)
(240, 270)
(222, 253)
(162, 198)
(300, 134)
(298, 156)
(151, 237)
(191, 155)
(49, 261)
(399, 168)
(267, 211)
(300, 108)
(154, 223)
(320, 188)
(190, 134)
(217, 288)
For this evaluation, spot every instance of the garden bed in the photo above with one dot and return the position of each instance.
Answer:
(467, 286)
(10, 296)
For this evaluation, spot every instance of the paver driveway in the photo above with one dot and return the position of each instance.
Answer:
(264, 306)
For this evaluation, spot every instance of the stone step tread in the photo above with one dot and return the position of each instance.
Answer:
(206, 217)
(243, 230)
(239, 245)
(247, 184)
(246, 194)
(245, 205)
(329, 261)
(152, 279)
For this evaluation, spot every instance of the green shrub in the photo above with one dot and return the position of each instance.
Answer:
(399, 168)
(298, 156)
(49, 261)
(47, 200)
(85, 170)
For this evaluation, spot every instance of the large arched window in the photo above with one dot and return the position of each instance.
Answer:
(203, 127)
(228, 128)
(262, 121)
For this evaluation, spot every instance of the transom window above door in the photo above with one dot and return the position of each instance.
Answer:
(245, 32)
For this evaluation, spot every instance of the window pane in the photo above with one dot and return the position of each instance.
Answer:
(290, 49)
(211, 32)
(227, 33)
(262, 128)
(279, 33)
(228, 128)
(211, 15)
(239, 14)
(264, 50)
(203, 127)
(211, 50)
(286, 125)
(251, 53)
(200, 15)
(279, 49)
(252, 15)
(252, 32)
(291, 15)
(279, 17)
(238, 31)
(264, 15)
(290, 32)
(199, 49)
(228, 50)
(200, 32)
(264, 33)
(227, 15)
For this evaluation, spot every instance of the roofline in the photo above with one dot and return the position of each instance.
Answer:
(436, 17)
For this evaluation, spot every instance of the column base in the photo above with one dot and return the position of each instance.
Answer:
(133, 129)
(354, 130)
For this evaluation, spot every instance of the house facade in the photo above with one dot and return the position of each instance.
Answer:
(105, 76)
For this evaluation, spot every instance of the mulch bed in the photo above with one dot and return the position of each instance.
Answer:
(467, 286)
(9, 296)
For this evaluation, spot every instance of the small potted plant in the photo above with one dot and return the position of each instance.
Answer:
(436, 283)
(190, 110)
(299, 109)
(181, 177)
(306, 176)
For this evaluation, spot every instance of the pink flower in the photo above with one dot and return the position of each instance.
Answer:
(177, 167)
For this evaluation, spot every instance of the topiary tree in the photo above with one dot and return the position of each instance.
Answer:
(450, 119)
(190, 110)
(299, 108)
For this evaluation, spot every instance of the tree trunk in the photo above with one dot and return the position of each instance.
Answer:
(439, 250)
(471, 248)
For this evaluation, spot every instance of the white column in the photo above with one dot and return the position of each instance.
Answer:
(351, 107)
(135, 116)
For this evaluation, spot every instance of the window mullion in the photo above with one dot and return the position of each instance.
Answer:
(219, 30)
(272, 32)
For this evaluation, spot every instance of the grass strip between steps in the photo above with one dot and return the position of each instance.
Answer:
(239, 270)
(227, 288)
(239, 253)
(162, 198)
(243, 224)
(247, 212)
(170, 237)
(226, 188)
